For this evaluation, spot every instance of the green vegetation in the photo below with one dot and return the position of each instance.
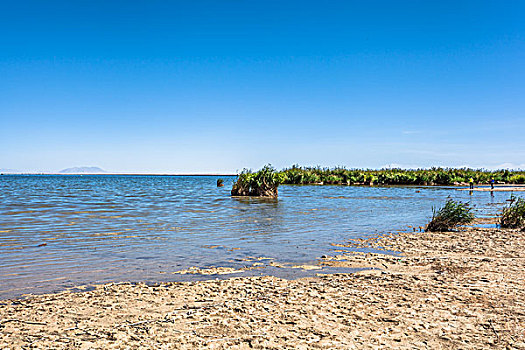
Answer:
(450, 216)
(435, 176)
(513, 216)
(262, 183)
(265, 181)
(517, 179)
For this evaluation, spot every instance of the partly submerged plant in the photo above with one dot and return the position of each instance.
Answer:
(513, 216)
(262, 183)
(450, 216)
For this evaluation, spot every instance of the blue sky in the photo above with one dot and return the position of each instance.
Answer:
(216, 86)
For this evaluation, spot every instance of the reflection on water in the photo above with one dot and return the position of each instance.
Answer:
(60, 231)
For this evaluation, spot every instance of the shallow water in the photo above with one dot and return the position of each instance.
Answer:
(61, 231)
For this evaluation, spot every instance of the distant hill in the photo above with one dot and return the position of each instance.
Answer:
(83, 170)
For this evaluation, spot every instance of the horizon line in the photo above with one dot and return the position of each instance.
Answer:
(236, 174)
(114, 173)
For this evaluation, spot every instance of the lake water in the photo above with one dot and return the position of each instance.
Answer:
(62, 231)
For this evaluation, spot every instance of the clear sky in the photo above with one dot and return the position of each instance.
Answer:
(216, 86)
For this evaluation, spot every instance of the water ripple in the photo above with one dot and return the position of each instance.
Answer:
(61, 231)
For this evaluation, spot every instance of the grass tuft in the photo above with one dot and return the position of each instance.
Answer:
(513, 216)
(450, 216)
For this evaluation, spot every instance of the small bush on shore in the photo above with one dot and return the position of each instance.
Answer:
(262, 183)
(450, 216)
(517, 179)
(513, 216)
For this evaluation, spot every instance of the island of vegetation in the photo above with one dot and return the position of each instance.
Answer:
(265, 181)
(432, 176)
(262, 183)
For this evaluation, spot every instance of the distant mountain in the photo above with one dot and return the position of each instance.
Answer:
(83, 170)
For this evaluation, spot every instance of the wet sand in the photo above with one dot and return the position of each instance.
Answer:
(451, 290)
(499, 188)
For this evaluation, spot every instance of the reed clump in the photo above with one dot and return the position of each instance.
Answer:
(450, 216)
(513, 215)
(262, 183)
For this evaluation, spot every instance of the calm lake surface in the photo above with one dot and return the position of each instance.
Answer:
(58, 231)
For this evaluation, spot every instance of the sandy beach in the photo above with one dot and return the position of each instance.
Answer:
(445, 291)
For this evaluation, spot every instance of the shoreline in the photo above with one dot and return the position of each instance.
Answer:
(460, 289)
